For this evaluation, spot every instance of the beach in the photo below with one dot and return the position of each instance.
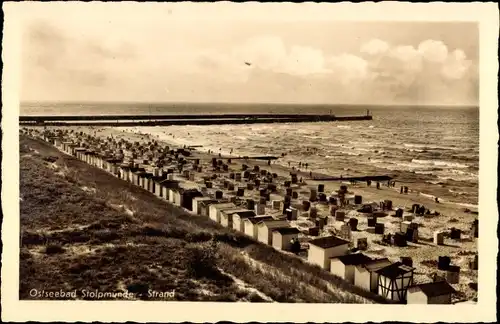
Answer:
(424, 253)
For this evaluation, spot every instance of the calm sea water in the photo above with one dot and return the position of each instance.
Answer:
(433, 149)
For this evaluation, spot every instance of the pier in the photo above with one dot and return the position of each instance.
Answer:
(191, 119)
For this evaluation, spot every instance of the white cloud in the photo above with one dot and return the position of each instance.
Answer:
(375, 47)
(401, 73)
(434, 51)
(303, 60)
(456, 65)
(266, 52)
(348, 68)
(277, 70)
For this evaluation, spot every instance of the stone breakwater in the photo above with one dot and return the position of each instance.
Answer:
(166, 120)
(276, 206)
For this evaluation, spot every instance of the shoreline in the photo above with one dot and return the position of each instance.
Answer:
(423, 253)
(401, 200)
(448, 191)
(416, 195)
(153, 232)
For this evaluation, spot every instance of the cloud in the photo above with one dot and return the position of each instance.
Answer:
(55, 61)
(428, 73)
(265, 52)
(456, 65)
(348, 68)
(271, 53)
(375, 47)
(434, 51)
(304, 60)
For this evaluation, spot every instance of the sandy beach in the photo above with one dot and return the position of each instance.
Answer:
(424, 253)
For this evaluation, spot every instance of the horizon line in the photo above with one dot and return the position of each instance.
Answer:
(248, 103)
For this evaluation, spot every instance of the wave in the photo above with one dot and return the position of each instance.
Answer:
(379, 161)
(350, 153)
(458, 178)
(427, 195)
(435, 182)
(440, 163)
(474, 206)
(428, 146)
(424, 172)
(442, 200)
(457, 192)
(313, 137)
(415, 150)
(362, 149)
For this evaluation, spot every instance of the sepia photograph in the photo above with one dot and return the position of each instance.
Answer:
(232, 154)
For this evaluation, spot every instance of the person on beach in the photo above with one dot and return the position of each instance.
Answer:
(288, 163)
(307, 164)
(300, 164)
(310, 174)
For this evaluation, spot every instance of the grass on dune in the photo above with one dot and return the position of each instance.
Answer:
(120, 237)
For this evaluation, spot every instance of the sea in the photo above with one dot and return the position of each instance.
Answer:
(434, 150)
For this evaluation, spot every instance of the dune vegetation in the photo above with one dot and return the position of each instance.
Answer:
(84, 229)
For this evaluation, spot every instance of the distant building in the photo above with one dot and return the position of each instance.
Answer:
(439, 292)
(394, 280)
(158, 188)
(250, 225)
(124, 172)
(238, 220)
(265, 227)
(214, 210)
(343, 266)
(175, 196)
(283, 236)
(366, 276)
(321, 250)
(226, 216)
(195, 204)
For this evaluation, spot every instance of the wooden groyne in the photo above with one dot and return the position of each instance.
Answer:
(265, 158)
(167, 120)
(362, 178)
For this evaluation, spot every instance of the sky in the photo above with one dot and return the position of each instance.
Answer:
(216, 53)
